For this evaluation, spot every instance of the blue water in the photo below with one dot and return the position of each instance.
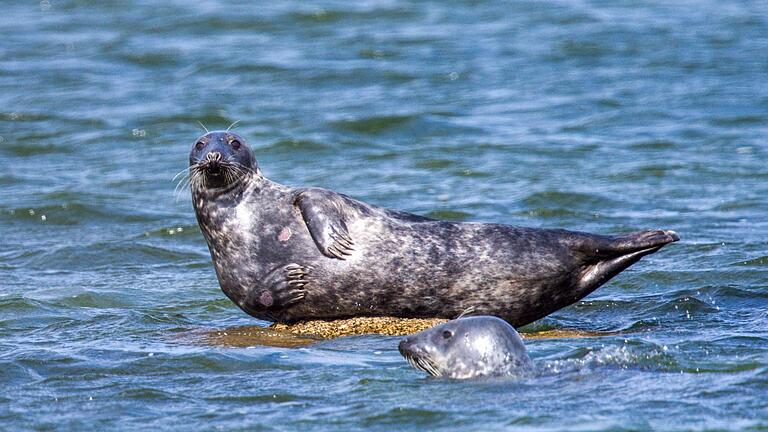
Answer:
(591, 115)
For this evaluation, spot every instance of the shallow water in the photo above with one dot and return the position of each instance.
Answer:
(597, 116)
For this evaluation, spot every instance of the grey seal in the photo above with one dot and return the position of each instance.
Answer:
(473, 347)
(287, 254)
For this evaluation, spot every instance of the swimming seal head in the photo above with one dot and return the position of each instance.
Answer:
(467, 348)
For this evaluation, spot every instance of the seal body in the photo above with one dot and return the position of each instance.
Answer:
(287, 254)
(472, 347)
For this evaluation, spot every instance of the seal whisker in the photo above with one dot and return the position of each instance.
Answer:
(182, 181)
(233, 125)
(433, 367)
(181, 186)
(196, 177)
(183, 177)
(185, 170)
(412, 361)
(203, 126)
(466, 312)
(425, 366)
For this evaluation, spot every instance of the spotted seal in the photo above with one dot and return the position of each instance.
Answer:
(286, 254)
(473, 347)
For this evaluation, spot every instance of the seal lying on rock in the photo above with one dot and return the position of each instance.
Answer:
(473, 347)
(287, 254)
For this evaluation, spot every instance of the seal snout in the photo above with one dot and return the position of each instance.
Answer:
(404, 347)
(213, 156)
(213, 163)
(672, 234)
(410, 349)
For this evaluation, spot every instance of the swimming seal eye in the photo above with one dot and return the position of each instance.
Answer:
(199, 145)
(235, 144)
(447, 334)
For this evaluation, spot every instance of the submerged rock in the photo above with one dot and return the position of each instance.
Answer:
(388, 326)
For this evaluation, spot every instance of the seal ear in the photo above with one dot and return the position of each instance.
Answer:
(323, 214)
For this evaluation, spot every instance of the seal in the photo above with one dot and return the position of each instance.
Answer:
(288, 254)
(473, 347)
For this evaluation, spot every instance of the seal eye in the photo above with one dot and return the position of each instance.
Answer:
(199, 145)
(447, 334)
(235, 144)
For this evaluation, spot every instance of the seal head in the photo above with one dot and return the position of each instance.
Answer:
(220, 159)
(470, 347)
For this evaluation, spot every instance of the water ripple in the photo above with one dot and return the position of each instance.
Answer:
(589, 116)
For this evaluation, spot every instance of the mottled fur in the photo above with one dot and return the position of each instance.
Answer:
(286, 254)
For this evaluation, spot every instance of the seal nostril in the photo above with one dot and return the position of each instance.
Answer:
(213, 156)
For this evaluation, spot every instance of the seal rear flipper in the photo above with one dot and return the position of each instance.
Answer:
(640, 240)
(324, 216)
(615, 254)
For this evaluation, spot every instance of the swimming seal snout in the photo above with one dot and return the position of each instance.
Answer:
(469, 347)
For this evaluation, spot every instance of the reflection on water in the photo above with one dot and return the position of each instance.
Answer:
(249, 336)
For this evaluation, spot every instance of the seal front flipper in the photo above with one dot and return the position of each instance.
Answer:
(324, 216)
(281, 288)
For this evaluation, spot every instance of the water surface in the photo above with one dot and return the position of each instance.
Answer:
(591, 115)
